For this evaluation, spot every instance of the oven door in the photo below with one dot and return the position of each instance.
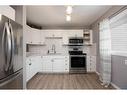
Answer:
(77, 62)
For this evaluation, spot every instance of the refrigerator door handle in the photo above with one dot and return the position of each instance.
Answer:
(12, 46)
(6, 46)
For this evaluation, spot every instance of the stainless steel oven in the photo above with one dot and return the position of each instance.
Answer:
(77, 62)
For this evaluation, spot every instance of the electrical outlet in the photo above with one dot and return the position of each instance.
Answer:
(125, 62)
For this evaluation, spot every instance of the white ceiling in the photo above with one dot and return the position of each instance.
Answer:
(55, 16)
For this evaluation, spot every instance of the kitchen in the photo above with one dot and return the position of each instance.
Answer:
(62, 47)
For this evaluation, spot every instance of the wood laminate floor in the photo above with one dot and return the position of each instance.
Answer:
(65, 81)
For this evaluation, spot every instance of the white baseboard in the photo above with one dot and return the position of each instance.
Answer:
(115, 86)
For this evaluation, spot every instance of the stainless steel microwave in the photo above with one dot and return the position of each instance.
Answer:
(74, 41)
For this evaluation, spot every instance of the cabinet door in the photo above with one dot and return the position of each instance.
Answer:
(33, 67)
(66, 34)
(27, 69)
(91, 63)
(47, 64)
(48, 33)
(65, 37)
(66, 65)
(37, 63)
(78, 33)
(88, 64)
(42, 37)
(53, 33)
(75, 33)
(58, 65)
(28, 35)
(30, 69)
(35, 36)
(57, 33)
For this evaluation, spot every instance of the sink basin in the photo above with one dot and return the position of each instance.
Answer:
(53, 53)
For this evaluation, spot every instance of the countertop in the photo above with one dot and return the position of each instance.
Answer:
(28, 54)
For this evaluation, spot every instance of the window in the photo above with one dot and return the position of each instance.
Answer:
(118, 28)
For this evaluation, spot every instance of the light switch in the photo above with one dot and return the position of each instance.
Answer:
(125, 62)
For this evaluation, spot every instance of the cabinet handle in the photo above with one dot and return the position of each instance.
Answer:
(52, 60)
(29, 63)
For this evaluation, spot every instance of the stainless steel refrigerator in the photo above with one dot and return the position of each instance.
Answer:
(11, 54)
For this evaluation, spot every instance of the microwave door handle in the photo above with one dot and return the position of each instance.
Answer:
(12, 46)
(6, 46)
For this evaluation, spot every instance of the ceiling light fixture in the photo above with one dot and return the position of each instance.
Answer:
(68, 13)
(68, 18)
(69, 10)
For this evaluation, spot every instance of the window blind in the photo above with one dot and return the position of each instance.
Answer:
(118, 27)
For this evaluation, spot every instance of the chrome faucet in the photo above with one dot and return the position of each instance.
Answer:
(54, 48)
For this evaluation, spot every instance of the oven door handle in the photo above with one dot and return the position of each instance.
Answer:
(77, 55)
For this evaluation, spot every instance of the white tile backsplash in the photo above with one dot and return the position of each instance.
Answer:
(90, 50)
(49, 42)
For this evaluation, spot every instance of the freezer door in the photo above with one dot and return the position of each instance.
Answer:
(17, 50)
(5, 48)
(15, 81)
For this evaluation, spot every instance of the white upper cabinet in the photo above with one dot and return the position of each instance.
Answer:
(52, 33)
(42, 37)
(7, 11)
(34, 36)
(28, 35)
(75, 33)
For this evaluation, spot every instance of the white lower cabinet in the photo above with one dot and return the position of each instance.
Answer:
(91, 63)
(33, 65)
(47, 64)
(55, 64)
(58, 65)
